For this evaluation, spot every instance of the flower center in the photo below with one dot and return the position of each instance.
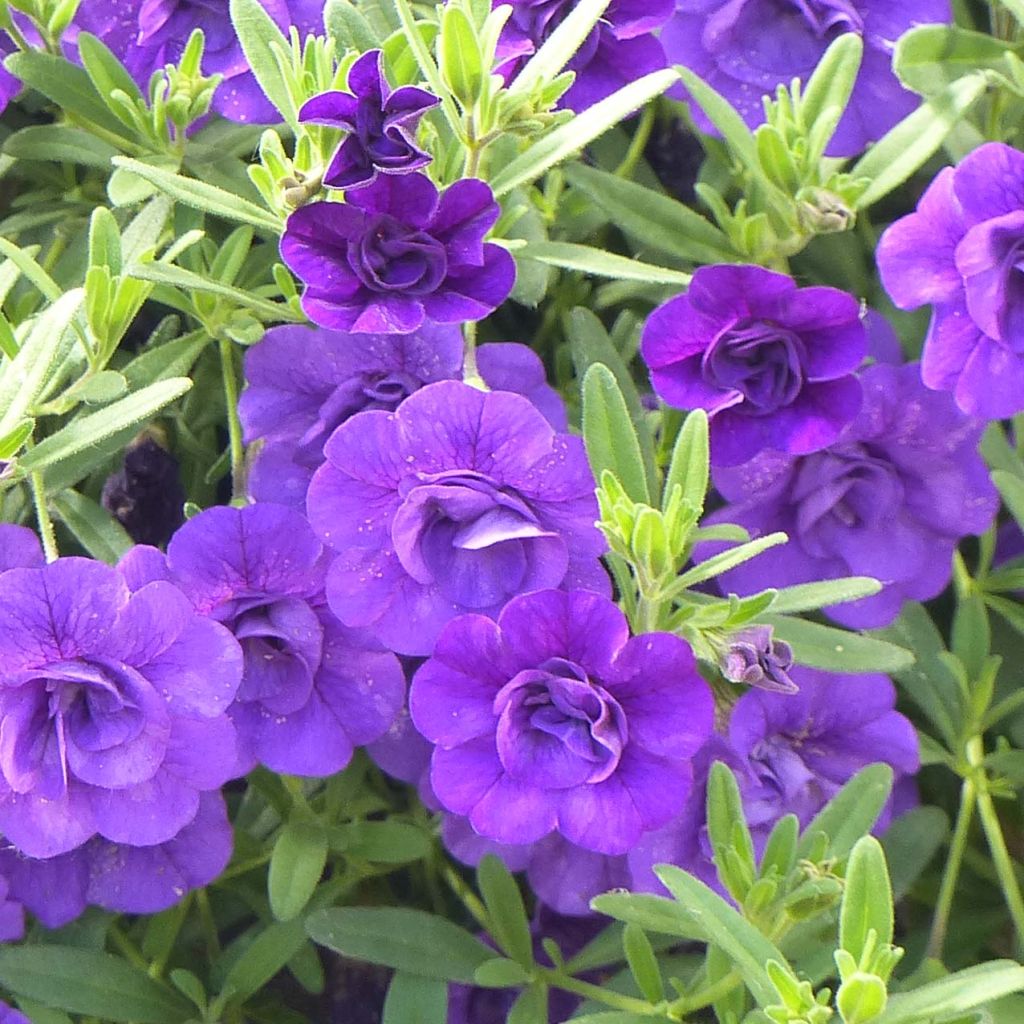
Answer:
(557, 728)
(826, 15)
(391, 257)
(760, 360)
(990, 257)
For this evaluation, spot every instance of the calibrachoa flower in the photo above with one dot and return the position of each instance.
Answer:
(791, 753)
(552, 718)
(111, 708)
(8, 1015)
(380, 124)
(890, 499)
(619, 50)
(754, 657)
(960, 252)
(454, 503)
(124, 878)
(145, 35)
(397, 254)
(771, 363)
(746, 48)
(312, 690)
(19, 548)
(304, 383)
(9, 85)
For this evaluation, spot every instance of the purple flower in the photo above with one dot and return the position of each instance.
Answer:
(791, 753)
(304, 383)
(380, 124)
(552, 718)
(312, 690)
(755, 658)
(890, 499)
(397, 254)
(124, 878)
(146, 35)
(19, 548)
(111, 708)
(619, 50)
(772, 363)
(961, 252)
(454, 503)
(746, 48)
(8, 1015)
(9, 88)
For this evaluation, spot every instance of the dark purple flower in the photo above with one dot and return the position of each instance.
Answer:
(457, 501)
(312, 690)
(791, 753)
(148, 34)
(19, 548)
(380, 125)
(746, 48)
(8, 1015)
(552, 718)
(304, 383)
(111, 708)
(398, 254)
(12, 918)
(755, 658)
(962, 252)
(124, 878)
(9, 88)
(619, 50)
(890, 499)
(771, 363)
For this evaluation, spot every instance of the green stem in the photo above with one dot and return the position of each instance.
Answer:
(951, 874)
(629, 1004)
(469, 899)
(639, 142)
(996, 842)
(208, 925)
(470, 370)
(227, 364)
(707, 995)
(43, 517)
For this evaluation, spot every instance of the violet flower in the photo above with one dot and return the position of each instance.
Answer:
(747, 48)
(111, 708)
(754, 657)
(552, 718)
(9, 1015)
(146, 35)
(620, 49)
(19, 548)
(398, 254)
(304, 383)
(771, 363)
(890, 499)
(312, 690)
(9, 86)
(456, 502)
(961, 253)
(791, 753)
(380, 125)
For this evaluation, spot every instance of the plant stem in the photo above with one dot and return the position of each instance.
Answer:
(951, 874)
(638, 143)
(470, 371)
(708, 995)
(469, 899)
(227, 364)
(208, 925)
(630, 1004)
(43, 517)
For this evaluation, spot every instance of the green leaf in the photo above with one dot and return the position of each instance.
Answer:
(691, 461)
(808, 597)
(343, 22)
(530, 1007)
(201, 196)
(382, 842)
(910, 843)
(60, 143)
(11, 443)
(401, 938)
(652, 913)
(929, 57)
(85, 431)
(955, 994)
(725, 928)
(906, 147)
(94, 528)
(651, 218)
(837, 650)
(500, 973)
(780, 849)
(726, 560)
(296, 866)
(461, 63)
(609, 434)
(727, 830)
(851, 813)
(588, 260)
(259, 35)
(106, 72)
(643, 964)
(264, 957)
(867, 899)
(510, 926)
(415, 1000)
(571, 137)
(971, 636)
(829, 87)
(90, 983)
(28, 266)
(724, 116)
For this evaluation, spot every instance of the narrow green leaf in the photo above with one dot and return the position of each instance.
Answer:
(94, 528)
(296, 866)
(906, 147)
(691, 462)
(867, 899)
(727, 830)
(780, 849)
(652, 913)
(259, 35)
(344, 23)
(105, 71)
(572, 136)
(727, 560)
(415, 1000)
(643, 964)
(955, 994)
(929, 57)
(31, 269)
(588, 260)
(401, 938)
(609, 435)
(910, 843)
(85, 431)
(60, 143)
(837, 650)
(809, 597)
(11, 443)
(382, 842)
(90, 983)
(830, 85)
(461, 63)
(500, 973)
(264, 957)
(510, 926)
